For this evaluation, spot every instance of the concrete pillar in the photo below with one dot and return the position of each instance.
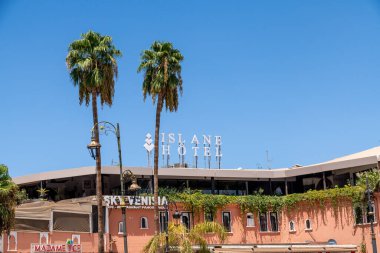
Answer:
(212, 185)
(286, 186)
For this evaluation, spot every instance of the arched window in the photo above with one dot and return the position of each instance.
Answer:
(75, 239)
(308, 225)
(12, 241)
(144, 222)
(250, 220)
(292, 227)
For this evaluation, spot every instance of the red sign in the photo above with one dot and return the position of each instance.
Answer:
(58, 248)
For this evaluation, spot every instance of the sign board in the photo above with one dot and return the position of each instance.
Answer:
(200, 145)
(58, 248)
(134, 202)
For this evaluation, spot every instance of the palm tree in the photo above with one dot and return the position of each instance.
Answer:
(162, 81)
(93, 68)
(9, 198)
(183, 240)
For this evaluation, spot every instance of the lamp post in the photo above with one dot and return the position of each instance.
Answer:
(176, 216)
(93, 146)
(369, 193)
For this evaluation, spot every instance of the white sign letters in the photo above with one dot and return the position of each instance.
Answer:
(205, 145)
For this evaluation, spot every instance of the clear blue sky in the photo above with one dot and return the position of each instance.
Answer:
(298, 78)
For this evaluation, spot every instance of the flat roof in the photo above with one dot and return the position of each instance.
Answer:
(369, 158)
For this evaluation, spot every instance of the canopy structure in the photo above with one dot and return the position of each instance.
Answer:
(44, 216)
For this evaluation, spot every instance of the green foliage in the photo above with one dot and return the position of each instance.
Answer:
(196, 201)
(21, 196)
(9, 198)
(91, 61)
(183, 240)
(373, 177)
(363, 247)
(161, 65)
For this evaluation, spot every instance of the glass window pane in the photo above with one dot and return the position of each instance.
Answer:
(163, 221)
(227, 221)
(273, 221)
(370, 213)
(186, 219)
(358, 215)
(250, 221)
(209, 217)
(263, 222)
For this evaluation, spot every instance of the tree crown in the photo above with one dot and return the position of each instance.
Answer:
(161, 65)
(91, 61)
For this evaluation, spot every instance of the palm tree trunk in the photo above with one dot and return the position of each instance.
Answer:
(155, 170)
(99, 195)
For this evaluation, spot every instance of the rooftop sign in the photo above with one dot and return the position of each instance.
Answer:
(200, 146)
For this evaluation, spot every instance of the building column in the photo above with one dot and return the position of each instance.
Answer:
(286, 186)
(151, 184)
(246, 188)
(212, 185)
(324, 181)
(270, 186)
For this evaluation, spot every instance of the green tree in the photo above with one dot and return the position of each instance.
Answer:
(183, 240)
(9, 198)
(161, 65)
(91, 61)
(373, 177)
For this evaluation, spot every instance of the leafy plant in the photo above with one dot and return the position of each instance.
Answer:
(196, 201)
(373, 177)
(9, 198)
(182, 240)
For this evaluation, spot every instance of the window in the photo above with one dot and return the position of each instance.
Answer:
(308, 225)
(226, 216)
(292, 227)
(144, 223)
(209, 217)
(263, 222)
(1, 244)
(250, 220)
(186, 219)
(273, 221)
(44, 238)
(75, 239)
(163, 221)
(12, 241)
(363, 214)
(121, 227)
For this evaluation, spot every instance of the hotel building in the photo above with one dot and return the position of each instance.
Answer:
(70, 211)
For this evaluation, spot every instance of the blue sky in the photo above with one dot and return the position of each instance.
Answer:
(300, 79)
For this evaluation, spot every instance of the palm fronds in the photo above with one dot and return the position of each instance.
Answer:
(181, 240)
(91, 61)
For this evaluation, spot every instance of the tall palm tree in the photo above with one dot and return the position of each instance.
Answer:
(162, 81)
(93, 68)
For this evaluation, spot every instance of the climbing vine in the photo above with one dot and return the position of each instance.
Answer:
(196, 201)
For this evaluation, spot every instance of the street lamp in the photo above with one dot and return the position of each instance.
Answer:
(106, 127)
(369, 194)
(176, 217)
(93, 146)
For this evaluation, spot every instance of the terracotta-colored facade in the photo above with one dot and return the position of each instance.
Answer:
(326, 223)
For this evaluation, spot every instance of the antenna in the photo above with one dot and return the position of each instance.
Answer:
(268, 160)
